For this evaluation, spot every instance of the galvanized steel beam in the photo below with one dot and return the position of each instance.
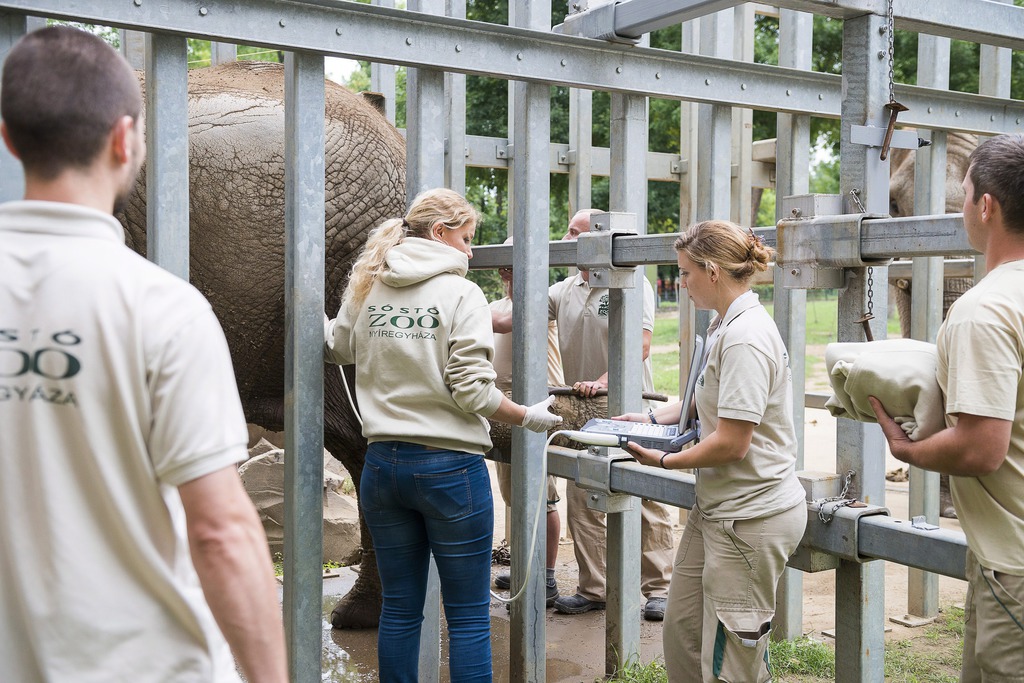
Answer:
(792, 177)
(386, 35)
(879, 537)
(627, 194)
(530, 193)
(303, 376)
(167, 205)
(12, 177)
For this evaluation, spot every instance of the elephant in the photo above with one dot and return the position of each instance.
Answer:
(901, 203)
(236, 203)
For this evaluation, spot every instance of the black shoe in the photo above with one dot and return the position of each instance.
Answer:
(552, 593)
(504, 582)
(576, 604)
(654, 610)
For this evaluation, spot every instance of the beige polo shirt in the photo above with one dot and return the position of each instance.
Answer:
(981, 355)
(747, 377)
(503, 344)
(115, 387)
(582, 316)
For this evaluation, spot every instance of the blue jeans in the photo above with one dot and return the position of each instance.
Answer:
(418, 501)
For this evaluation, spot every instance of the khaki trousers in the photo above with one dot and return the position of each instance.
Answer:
(994, 626)
(588, 534)
(722, 598)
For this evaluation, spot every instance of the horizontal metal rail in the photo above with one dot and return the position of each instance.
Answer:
(391, 36)
(938, 235)
(879, 537)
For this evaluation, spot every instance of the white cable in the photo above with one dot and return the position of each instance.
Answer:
(344, 382)
(582, 437)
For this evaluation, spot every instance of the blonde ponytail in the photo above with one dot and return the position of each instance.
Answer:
(371, 263)
(430, 207)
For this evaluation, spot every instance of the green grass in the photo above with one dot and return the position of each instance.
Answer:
(279, 565)
(805, 660)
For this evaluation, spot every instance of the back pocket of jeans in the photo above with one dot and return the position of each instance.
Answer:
(369, 488)
(741, 646)
(445, 496)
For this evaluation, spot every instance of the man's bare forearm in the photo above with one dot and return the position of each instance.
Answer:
(230, 554)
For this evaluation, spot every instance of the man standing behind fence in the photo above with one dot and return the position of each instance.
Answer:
(120, 423)
(981, 372)
(582, 315)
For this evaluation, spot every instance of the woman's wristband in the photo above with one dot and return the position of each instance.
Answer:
(663, 455)
(650, 414)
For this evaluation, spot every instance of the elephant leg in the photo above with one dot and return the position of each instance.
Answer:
(946, 508)
(361, 606)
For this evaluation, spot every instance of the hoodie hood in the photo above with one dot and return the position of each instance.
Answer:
(415, 259)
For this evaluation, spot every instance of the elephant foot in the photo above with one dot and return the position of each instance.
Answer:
(351, 612)
(947, 511)
(361, 606)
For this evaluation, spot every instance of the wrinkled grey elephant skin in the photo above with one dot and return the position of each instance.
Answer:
(236, 179)
(901, 203)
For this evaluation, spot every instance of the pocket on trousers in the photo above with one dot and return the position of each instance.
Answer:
(369, 488)
(741, 646)
(447, 496)
(1000, 629)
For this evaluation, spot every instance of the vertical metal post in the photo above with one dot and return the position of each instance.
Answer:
(531, 116)
(688, 144)
(742, 120)
(133, 48)
(167, 221)
(926, 309)
(222, 53)
(713, 171)
(303, 375)
(12, 177)
(425, 166)
(860, 588)
(714, 155)
(993, 80)
(581, 128)
(792, 158)
(382, 76)
(627, 194)
(455, 117)
(424, 116)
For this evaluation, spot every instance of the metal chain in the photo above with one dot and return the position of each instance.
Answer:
(890, 31)
(871, 290)
(841, 500)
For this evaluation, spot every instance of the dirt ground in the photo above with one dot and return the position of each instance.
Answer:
(575, 651)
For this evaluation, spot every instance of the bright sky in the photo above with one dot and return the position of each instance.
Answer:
(338, 69)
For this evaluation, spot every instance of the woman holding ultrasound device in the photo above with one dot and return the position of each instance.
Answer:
(419, 334)
(750, 513)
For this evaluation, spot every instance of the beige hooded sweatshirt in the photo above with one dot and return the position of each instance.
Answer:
(422, 346)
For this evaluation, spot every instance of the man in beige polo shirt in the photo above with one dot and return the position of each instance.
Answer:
(981, 371)
(581, 312)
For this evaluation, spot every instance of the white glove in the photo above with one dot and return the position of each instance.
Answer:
(538, 419)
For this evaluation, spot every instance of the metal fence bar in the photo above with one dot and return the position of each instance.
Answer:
(530, 188)
(12, 177)
(792, 177)
(455, 116)
(444, 43)
(881, 537)
(167, 204)
(424, 115)
(303, 380)
(860, 589)
(382, 76)
(926, 308)
(627, 194)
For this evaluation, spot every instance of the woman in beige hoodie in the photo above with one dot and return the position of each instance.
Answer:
(420, 336)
